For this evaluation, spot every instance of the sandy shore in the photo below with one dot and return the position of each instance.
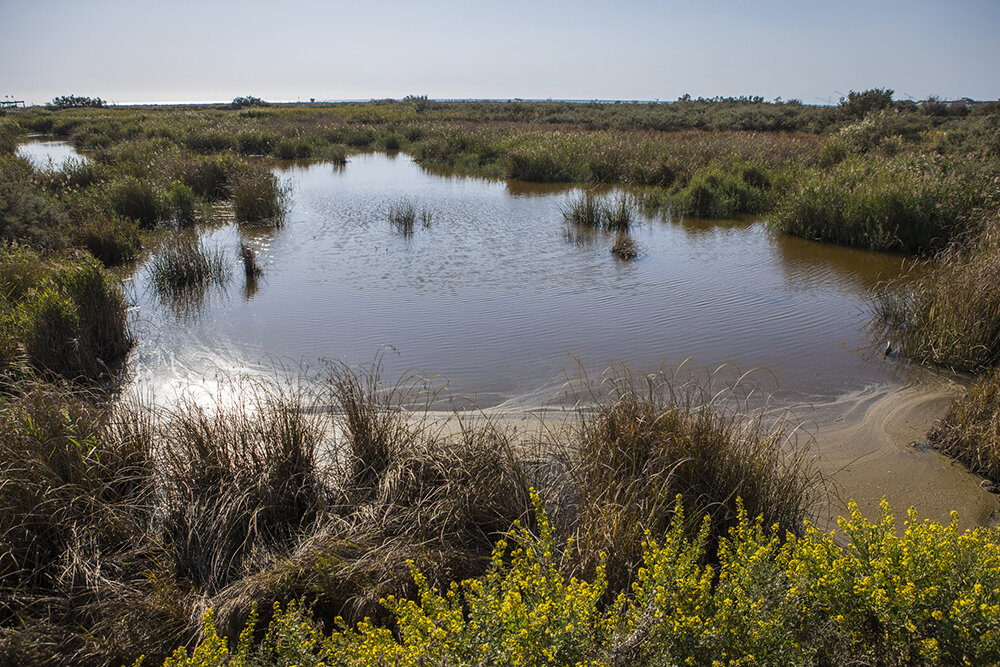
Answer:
(873, 444)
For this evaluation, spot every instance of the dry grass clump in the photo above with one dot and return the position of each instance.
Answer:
(120, 525)
(970, 432)
(624, 247)
(648, 441)
(951, 314)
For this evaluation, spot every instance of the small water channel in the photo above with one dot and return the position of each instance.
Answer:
(504, 299)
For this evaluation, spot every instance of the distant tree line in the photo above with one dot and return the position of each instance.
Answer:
(74, 102)
(248, 101)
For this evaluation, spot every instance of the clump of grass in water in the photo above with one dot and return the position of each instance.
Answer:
(404, 214)
(259, 198)
(251, 268)
(185, 265)
(595, 212)
(624, 247)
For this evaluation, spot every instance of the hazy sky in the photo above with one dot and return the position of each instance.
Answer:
(213, 50)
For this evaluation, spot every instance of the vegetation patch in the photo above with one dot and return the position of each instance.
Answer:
(63, 318)
(606, 213)
(928, 597)
(258, 197)
(949, 315)
(970, 432)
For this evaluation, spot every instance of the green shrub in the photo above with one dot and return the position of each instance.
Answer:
(905, 203)
(716, 193)
(74, 323)
(112, 240)
(137, 199)
(26, 212)
(255, 143)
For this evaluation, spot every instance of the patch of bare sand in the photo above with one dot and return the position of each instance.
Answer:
(872, 445)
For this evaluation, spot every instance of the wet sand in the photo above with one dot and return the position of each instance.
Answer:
(873, 444)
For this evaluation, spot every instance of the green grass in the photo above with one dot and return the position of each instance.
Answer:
(258, 197)
(606, 213)
(64, 318)
(907, 203)
(184, 266)
(404, 214)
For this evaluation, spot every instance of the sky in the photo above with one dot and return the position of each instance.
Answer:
(147, 51)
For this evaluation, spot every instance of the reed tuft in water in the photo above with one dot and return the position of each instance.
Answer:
(404, 214)
(624, 247)
(608, 214)
(185, 264)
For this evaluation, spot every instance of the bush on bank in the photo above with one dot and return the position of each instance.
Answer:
(930, 596)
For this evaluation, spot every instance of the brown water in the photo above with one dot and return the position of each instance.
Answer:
(503, 298)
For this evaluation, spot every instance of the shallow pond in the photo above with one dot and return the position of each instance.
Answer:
(48, 153)
(504, 299)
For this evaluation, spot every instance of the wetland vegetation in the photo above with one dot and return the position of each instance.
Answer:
(123, 522)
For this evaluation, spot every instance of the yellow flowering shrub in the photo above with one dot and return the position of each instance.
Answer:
(929, 596)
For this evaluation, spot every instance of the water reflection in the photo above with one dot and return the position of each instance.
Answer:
(48, 154)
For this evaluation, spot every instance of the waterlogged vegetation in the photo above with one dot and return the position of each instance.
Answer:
(657, 527)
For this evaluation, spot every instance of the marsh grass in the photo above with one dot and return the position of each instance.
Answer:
(67, 315)
(907, 203)
(185, 266)
(133, 518)
(404, 214)
(603, 213)
(112, 239)
(949, 315)
(248, 256)
(137, 199)
(259, 198)
(624, 247)
(970, 432)
(641, 442)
